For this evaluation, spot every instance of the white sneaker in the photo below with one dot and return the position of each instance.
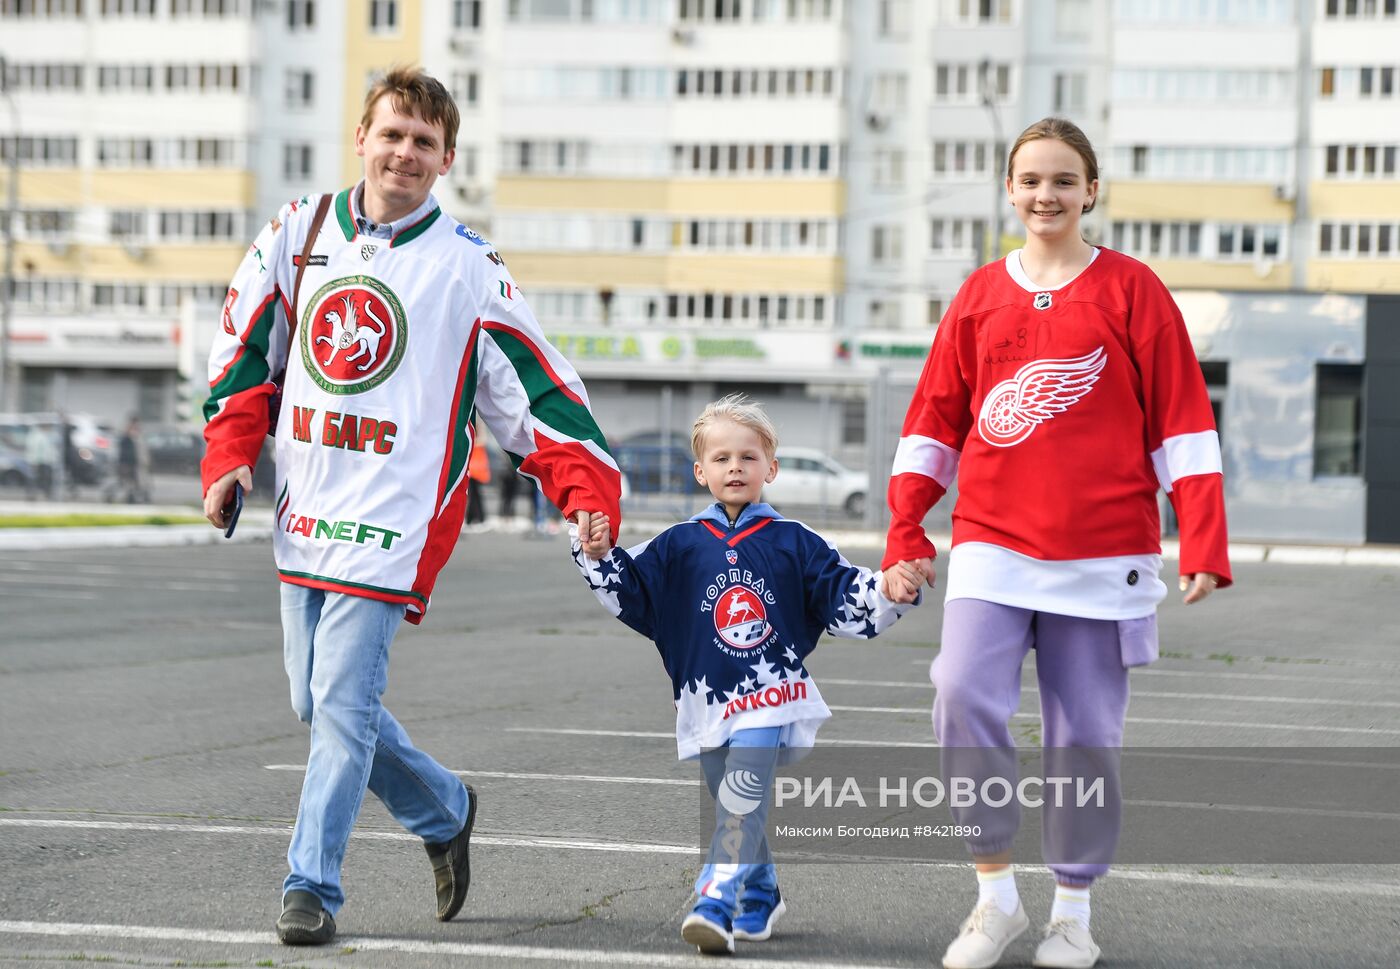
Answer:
(1067, 945)
(985, 936)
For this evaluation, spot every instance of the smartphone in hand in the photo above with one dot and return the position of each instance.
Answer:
(233, 509)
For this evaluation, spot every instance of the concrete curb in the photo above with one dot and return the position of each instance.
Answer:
(256, 526)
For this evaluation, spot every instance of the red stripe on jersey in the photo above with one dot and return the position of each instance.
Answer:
(446, 524)
(243, 337)
(524, 338)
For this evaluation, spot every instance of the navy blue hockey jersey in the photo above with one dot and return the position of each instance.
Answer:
(734, 612)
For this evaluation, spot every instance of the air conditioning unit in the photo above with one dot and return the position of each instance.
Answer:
(686, 38)
(1285, 192)
(60, 247)
(136, 253)
(463, 44)
(877, 122)
(471, 194)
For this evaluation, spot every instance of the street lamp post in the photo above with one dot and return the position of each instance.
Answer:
(987, 89)
(7, 285)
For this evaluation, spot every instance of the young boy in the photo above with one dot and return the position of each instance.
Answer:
(735, 599)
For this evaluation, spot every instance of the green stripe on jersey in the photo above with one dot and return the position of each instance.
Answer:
(342, 214)
(415, 230)
(251, 368)
(548, 402)
(461, 450)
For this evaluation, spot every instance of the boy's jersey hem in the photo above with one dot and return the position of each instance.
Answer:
(402, 345)
(351, 588)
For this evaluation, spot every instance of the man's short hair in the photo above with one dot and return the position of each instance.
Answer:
(740, 410)
(415, 92)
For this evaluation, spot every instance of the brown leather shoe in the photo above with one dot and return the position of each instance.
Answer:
(452, 868)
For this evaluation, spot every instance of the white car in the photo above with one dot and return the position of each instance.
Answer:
(807, 476)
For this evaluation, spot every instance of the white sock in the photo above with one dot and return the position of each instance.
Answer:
(1071, 903)
(1001, 885)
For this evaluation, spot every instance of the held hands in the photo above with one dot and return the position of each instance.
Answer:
(1200, 584)
(900, 582)
(594, 533)
(221, 491)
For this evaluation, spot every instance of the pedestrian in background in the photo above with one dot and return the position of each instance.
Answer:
(1062, 390)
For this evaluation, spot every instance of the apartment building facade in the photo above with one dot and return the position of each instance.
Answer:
(705, 195)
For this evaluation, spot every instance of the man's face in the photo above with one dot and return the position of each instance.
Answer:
(403, 156)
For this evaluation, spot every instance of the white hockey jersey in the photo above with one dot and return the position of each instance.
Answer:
(400, 345)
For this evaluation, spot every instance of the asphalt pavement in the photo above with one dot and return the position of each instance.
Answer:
(151, 766)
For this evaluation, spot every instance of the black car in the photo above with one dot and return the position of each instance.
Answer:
(175, 449)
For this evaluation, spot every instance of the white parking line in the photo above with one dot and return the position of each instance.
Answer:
(1305, 728)
(1305, 884)
(503, 841)
(555, 956)
(658, 735)
(1159, 695)
(520, 776)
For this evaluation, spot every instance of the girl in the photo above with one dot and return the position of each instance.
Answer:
(1063, 382)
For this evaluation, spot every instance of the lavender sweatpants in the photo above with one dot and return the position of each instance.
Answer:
(1083, 701)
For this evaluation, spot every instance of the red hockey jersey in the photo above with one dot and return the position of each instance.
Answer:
(1061, 411)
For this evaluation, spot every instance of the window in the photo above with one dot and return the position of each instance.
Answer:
(46, 224)
(1337, 421)
(40, 151)
(888, 166)
(1073, 20)
(119, 296)
(127, 224)
(892, 19)
(886, 244)
(1070, 92)
(296, 161)
(466, 14)
(935, 312)
(301, 14)
(853, 422)
(383, 16)
(300, 89)
(465, 88)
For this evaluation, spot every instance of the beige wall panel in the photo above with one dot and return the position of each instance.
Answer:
(1354, 275)
(1194, 201)
(161, 263)
(56, 186)
(792, 274)
(1356, 200)
(729, 197)
(180, 188)
(1190, 274)
(183, 189)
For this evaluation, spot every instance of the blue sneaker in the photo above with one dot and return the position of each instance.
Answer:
(758, 911)
(709, 928)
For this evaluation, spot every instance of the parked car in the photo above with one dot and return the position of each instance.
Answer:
(15, 471)
(652, 468)
(807, 476)
(653, 464)
(175, 449)
(94, 444)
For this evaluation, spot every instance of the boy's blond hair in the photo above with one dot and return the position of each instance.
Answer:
(740, 410)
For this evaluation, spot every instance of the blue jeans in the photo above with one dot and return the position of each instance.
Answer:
(739, 859)
(336, 650)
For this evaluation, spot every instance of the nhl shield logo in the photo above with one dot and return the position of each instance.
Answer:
(731, 556)
(353, 335)
(740, 618)
(367, 251)
(1041, 301)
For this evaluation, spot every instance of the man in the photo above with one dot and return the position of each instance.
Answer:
(406, 325)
